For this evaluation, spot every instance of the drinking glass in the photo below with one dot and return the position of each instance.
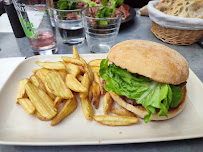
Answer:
(68, 18)
(35, 20)
(101, 26)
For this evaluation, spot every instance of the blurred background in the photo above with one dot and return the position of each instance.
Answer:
(132, 3)
(6, 27)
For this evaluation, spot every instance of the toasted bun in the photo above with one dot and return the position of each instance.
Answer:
(151, 60)
(141, 112)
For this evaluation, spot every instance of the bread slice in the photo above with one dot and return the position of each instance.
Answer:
(165, 5)
(187, 8)
(143, 11)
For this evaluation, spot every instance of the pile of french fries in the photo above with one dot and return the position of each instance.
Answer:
(57, 84)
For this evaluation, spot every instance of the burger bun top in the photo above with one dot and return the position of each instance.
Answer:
(150, 59)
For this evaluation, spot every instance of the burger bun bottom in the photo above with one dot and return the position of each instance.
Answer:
(141, 111)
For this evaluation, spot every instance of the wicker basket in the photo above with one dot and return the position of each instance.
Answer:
(176, 36)
(173, 29)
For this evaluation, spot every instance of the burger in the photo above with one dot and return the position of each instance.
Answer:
(146, 78)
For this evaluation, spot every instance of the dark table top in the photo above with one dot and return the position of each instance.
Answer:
(139, 28)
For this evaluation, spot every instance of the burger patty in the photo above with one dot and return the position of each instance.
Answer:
(133, 101)
(182, 85)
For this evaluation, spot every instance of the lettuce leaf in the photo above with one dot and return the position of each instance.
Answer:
(177, 95)
(150, 94)
(64, 5)
(91, 3)
(115, 3)
(104, 2)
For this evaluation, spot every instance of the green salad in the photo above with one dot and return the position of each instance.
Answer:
(66, 5)
(114, 3)
(153, 96)
(103, 12)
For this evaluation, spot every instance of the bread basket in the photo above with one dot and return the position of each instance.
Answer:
(173, 29)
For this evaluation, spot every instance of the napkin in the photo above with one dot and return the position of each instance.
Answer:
(7, 66)
(5, 25)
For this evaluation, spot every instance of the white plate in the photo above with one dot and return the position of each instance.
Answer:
(18, 128)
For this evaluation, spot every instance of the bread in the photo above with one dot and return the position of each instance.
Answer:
(151, 60)
(143, 11)
(164, 5)
(141, 112)
(187, 8)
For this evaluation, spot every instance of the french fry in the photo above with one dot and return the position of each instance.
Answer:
(122, 112)
(48, 89)
(37, 82)
(72, 60)
(84, 62)
(46, 98)
(52, 65)
(95, 94)
(40, 117)
(120, 101)
(82, 69)
(87, 108)
(97, 79)
(75, 53)
(34, 80)
(38, 99)
(86, 83)
(21, 89)
(95, 69)
(41, 73)
(63, 74)
(34, 70)
(115, 120)
(74, 84)
(58, 101)
(107, 103)
(67, 109)
(52, 96)
(87, 69)
(57, 86)
(27, 105)
(90, 95)
(79, 77)
(95, 62)
(72, 69)
(103, 91)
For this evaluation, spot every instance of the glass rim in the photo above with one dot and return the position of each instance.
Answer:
(74, 10)
(21, 4)
(106, 17)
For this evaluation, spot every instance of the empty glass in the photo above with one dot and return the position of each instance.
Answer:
(68, 18)
(101, 26)
(35, 20)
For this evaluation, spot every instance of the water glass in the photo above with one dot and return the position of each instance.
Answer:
(68, 18)
(101, 26)
(35, 20)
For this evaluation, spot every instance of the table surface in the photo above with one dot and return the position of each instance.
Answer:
(139, 28)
